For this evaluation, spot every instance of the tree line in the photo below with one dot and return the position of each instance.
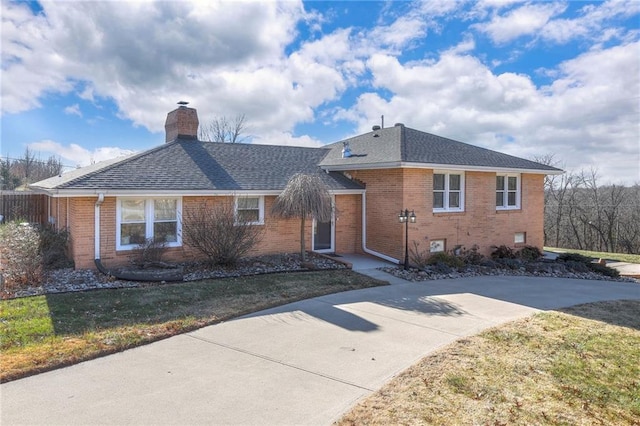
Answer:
(20, 172)
(581, 214)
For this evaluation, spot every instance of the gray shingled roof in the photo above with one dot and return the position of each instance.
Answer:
(188, 165)
(400, 144)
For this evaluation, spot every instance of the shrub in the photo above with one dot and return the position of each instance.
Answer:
(148, 253)
(503, 252)
(213, 231)
(575, 266)
(604, 270)
(471, 256)
(20, 254)
(530, 253)
(573, 257)
(446, 259)
(53, 248)
(419, 258)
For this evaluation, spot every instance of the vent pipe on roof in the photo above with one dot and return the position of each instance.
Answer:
(346, 150)
(399, 125)
(382, 121)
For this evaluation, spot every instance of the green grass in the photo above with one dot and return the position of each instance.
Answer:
(580, 366)
(44, 332)
(620, 257)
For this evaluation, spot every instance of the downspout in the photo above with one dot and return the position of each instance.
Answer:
(364, 234)
(96, 221)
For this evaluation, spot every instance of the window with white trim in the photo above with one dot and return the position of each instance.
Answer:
(448, 191)
(250, 210)
(141, 219)
(507, 191)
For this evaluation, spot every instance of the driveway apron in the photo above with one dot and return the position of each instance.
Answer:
(303, 363)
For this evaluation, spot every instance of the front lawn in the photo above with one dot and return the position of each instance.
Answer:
(620, 257)
(41, 333)
(576, 367)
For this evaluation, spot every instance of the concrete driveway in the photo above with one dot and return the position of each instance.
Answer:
(303, 363)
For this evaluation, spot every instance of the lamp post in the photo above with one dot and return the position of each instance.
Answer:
(406, 217)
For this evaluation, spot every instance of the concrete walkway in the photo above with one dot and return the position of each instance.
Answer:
(303, 363)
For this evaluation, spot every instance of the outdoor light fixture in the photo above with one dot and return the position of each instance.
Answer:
(406, 217)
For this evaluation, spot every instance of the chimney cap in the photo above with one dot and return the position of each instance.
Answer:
(183, 103)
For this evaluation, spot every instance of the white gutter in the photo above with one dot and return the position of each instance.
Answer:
(435, 166)
(96, 231)
(364, 234)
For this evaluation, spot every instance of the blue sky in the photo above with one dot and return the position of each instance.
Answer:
(87, 81)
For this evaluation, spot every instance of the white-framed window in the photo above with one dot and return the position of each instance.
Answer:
(507, 191)
(140, 219)
(448, 191)
(520, 237)
(250, 210)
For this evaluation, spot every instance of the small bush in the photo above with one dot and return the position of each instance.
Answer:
(53, 248)
(510, 263)
(471, 256)
(441, 268)
(419, 257)
(604, 270)
(445, 258)
(503, 252)
(148, 253)
(573, 257)
(575, 266)
(20, 254)
(530, 253)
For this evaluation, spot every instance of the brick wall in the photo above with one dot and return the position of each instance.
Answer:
(390, 190)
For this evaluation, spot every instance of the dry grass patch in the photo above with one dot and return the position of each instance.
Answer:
(580, 366)
(41, 333)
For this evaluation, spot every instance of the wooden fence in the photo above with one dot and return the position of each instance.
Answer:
(23, 206)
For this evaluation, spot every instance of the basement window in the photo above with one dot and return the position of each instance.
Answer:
(142, 219)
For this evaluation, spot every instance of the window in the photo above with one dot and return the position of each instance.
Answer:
(250, 210)
(507, 192)
(448, 192)
(139, 219)
(520, 237)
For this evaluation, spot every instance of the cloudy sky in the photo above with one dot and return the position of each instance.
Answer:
(87, 80)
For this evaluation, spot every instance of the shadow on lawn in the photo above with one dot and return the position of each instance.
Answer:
(623, 313)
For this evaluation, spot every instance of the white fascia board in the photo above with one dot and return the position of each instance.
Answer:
(62, 193)
(457, 167)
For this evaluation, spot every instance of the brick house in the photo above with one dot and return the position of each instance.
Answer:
(462, 195)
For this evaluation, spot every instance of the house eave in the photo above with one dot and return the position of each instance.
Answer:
(434, 166)
(73, 193)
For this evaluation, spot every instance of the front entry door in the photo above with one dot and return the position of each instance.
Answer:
(323, 236)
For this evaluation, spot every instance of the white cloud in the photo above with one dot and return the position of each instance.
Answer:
(587, 116)
(286, 138)
(73, 110)
(74, 154)
(524, 20)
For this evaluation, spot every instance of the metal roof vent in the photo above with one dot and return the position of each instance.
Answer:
(399, 125)
(346, 150)
(375, 131)
(376, 127)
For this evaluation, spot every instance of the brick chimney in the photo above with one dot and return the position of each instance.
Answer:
(181, 123)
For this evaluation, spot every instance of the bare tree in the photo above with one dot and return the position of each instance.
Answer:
(215, 231)
(305, 196)
(222, 129)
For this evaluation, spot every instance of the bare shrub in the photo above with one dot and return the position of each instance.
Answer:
(418, 256)
(214, 231)
(149, 253)
(20, 257)
(53, 247)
